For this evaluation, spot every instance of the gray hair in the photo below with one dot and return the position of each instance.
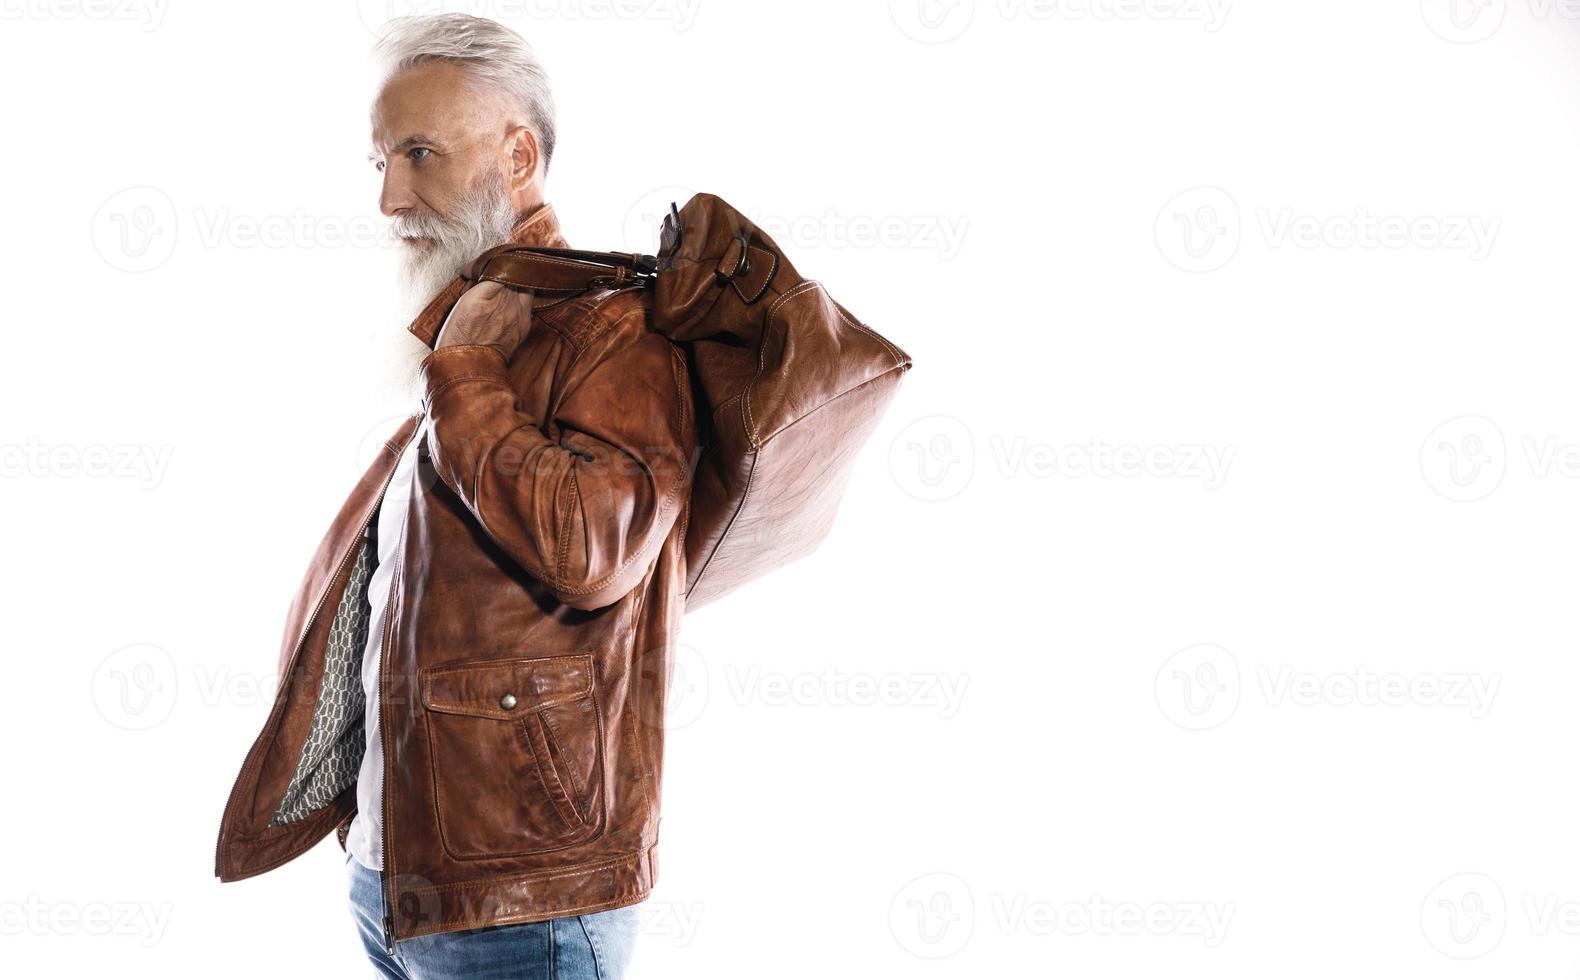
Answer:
(491, 53)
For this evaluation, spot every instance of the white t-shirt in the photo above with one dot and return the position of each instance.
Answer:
(365, 840)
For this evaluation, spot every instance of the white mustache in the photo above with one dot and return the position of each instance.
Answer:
(408, 226)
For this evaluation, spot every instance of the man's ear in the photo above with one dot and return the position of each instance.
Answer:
(522, 146)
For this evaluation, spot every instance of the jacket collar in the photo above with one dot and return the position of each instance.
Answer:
(539, 229)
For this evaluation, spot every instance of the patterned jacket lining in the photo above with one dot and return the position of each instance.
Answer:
(335, 742)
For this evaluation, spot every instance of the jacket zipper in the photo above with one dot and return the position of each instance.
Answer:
(307, 626)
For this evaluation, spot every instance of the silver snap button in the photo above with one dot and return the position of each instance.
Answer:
(507, 702)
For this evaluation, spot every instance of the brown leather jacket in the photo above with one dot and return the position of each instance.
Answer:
(530, 630)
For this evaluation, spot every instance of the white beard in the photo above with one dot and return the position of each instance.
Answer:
(484, 217)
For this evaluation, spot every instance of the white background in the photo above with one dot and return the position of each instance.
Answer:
(1294, 698)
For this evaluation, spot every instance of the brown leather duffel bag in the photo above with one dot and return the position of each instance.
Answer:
(788, 385)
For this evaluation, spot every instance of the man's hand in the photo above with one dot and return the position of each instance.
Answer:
(491, 315)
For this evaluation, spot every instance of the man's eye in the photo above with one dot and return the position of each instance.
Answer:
(420, 152)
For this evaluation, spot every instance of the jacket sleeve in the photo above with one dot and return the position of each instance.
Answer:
(583, 500)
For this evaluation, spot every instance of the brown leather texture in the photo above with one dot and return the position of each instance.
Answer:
(531, 626)
(789, 385)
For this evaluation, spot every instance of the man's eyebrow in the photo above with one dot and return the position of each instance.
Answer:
(408, 143)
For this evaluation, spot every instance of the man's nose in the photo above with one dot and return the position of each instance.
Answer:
(395, 195)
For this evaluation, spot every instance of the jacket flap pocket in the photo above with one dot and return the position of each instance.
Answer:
(506, 689)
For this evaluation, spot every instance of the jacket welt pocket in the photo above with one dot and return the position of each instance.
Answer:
(516, 748)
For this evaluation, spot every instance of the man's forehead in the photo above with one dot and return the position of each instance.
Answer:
(435, 100)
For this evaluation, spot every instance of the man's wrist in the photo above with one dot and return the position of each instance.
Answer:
(456, 363)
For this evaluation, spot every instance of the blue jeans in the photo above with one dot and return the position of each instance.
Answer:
(575, 947)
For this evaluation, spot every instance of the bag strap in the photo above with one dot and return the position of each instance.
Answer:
(561, 272)
(557, 274)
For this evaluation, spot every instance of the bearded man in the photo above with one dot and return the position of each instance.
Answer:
(473, 672)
